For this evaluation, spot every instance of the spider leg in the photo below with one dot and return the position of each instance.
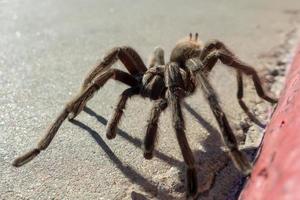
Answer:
(102, 78)
(74, 106)
(217, 50)
(113, 122)
(239, 159)
(44, 142)
(240, 94)
(174, 94)
(151, 132)
(127, 55)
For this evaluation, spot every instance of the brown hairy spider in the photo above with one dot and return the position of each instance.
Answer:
(166, 84)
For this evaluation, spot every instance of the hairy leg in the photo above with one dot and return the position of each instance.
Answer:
(74, 106)
(102, 78)
(174, 94)
(116, 117)
(239, 159)
(217, 50)
(127, 55)
(151, 132)
(240, 94)
(44, 142)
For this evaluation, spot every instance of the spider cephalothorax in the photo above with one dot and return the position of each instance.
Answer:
(166, 84)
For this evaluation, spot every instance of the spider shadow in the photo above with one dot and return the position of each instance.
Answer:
(214, 141)
(211, 146)
(135, 141)
(129, 172)
(213, 153)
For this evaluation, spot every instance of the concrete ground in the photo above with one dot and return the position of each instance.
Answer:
(48, 46)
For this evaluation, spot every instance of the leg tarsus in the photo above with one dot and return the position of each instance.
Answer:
(22, 160)
(249, 114)
(240, 94)
(259, 89)
(192, 181)
(44, 142)
(72, 109)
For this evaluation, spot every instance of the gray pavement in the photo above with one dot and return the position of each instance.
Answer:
(48, 46)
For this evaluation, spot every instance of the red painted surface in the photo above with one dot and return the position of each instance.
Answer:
(276, 174)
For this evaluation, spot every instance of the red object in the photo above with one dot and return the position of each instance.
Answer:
(276, 174)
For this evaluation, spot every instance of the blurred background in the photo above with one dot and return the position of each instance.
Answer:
(47, 47)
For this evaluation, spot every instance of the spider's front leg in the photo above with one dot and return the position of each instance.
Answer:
(98, 82)
(116, 117)
(174, 96)
(127, 55)
(217, 50)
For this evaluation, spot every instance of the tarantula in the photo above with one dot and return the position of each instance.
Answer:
(166, 84)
